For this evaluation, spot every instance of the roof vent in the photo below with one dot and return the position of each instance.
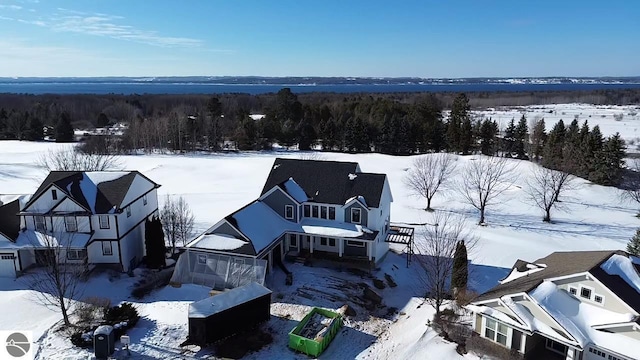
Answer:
(352, 176)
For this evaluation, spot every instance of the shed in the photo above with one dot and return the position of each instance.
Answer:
(228, 313)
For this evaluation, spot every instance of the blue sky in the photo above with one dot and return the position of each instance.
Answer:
(427, 38)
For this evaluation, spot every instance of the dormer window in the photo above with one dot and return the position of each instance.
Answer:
(314, 211)
(332, 213)
(54, 194)
(288, 212)
(307, 211)
(323, 212)
(355, 215)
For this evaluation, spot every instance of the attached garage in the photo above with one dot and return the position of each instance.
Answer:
(7, 265)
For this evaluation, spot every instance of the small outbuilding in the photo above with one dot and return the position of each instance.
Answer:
(228, 313)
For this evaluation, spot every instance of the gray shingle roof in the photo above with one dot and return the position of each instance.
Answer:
(558, 264)
(328, 181)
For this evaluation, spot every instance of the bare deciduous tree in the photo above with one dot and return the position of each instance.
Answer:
(70, 159)
(436, 247)
(58, 280)
(484, 179)
(545, 188)
(311, 155)
(631, 183)
(177, 221)
(428, 174)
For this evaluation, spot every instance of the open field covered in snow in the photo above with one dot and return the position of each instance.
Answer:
(593, 218)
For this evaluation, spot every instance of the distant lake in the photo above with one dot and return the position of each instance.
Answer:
(203, 88)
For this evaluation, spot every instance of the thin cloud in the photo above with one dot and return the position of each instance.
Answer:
(99, 24)
(11, 7)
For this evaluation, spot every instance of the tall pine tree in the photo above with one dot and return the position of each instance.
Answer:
(458, 116)
(460, 272)
(552, 154)
(521, 138)
(633, 246)
(538, 139)
(64, 130)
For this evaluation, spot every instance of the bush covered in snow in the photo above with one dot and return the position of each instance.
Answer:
(122, 317)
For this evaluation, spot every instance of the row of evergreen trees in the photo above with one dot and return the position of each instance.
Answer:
(28, 126)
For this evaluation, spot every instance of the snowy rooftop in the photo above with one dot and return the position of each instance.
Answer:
(295, 191)
(227, 300)
(217, 242)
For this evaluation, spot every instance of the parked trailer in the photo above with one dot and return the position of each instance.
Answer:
(315, 331)
(228, 313)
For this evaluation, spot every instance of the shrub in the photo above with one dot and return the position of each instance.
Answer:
(153, 280)
(485, 347)
(91, 309)
(464, 298)
(125, 312)
(82, 338)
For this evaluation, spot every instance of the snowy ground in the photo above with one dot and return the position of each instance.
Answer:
(215, 185)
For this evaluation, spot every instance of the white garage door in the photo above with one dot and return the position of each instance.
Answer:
(7, 268)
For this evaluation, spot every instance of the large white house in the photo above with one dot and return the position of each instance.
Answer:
(581, 305)
(309, 208)
(96, 218)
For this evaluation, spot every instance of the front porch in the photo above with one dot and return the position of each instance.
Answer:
(299, 247)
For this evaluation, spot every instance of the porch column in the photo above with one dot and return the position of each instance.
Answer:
(311, 240)
(369, 251)
(270, 261)
(340, 247)
(571, 354)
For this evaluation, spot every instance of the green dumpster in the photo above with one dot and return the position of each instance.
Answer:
(315, 331)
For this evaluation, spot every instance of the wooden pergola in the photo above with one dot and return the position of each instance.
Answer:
(401, 235)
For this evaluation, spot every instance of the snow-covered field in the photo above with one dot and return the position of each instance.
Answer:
(214, 185)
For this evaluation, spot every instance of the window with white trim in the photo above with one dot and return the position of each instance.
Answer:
(585, 292)
(293, 241)
(76, 254)
(332, 213)
(556, 347)
(104, 221)
(70, 223)
(323, 241)
(597, 352)
(314, 211)
(107, 250)
(573, 290)
(332, 242)
(288, 212)
(355, 243)
(144, 200)
(41, 224)
(496, 331)
(356, 215)
(128, 210)
(307, 210)
(598, 298)
(323, 212)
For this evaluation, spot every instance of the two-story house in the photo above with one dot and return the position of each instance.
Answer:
(308, 207)
(93, 217)
(581, 305)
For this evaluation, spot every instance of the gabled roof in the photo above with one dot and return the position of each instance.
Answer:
(330, 182)
(9, 220)
(100, 192)
(557, 264)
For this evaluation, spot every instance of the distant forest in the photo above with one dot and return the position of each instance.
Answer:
(394, 123)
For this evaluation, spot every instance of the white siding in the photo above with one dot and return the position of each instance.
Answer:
(132, 245)
(68, 205)
(45, 202)
(109, 233)
(139, 186)
(94, 253)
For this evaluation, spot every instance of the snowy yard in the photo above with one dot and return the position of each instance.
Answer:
(215, 185)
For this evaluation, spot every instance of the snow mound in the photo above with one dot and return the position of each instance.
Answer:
(623, 267)
(516, 274)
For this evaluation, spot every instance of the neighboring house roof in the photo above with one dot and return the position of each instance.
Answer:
(258, 223)
(100, 192)
(10, 206)
(557, 264)
(330, 182)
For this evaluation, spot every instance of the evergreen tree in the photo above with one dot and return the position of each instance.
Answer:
(306, 135)
(64, 130)
(466, 136)
(487, 135)
(571, 152)
(552, 153)
(538, 139)
(633, 246)
(521, 136)
(35, 129)
(460, 272)
(329, 134)
(509, 139)
(103, 120)
(458, 116)
(609, 161)
(3, 123)
(154, 243)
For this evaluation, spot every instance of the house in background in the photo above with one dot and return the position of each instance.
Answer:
(569, 305)
(97, 217)
(10, 226)
(309, 208)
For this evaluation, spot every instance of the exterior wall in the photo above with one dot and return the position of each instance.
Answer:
(95, 256)
(277, 201)
(56, 223)
(478, 323)
(131, 229)
(317, 245)
(626, 331)
(533, 342)
(68, 205)
(45, 202)
(27, 258)
(139, 212)
(380, 247)
(227, 229)
(132, 247)
(364, 214)
(540, 315)
(109, 233)
(611, 301)
(139, 186)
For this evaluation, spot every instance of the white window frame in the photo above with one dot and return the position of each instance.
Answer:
(601, 297)
(144, 200)
(356, 243)
(78, 254)
(324, 241)
(43, 223)
(201, 257)
(551, 348)
(315, 211)
(293, 241)
(332, 242)
(359, 211)
(70, 220)
(324, 211)
(591, 292)
(507, 335)
(329, 211)
(109, 249)
(102, 226)
(571, 287)
(286, 210)
(128, 211)
(306, 213)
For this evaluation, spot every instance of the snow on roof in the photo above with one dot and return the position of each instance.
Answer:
(516, 274)
(257, 116)
(359, 198)
(91, 180)
(30, 238)
(261, 224)
(352, 176)
(217, 242)
(332, 228)
(227, 300)
(578, 318)
(623, 267)
(7, 198)
(635, 259)
(292, 188)
(498, 315)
